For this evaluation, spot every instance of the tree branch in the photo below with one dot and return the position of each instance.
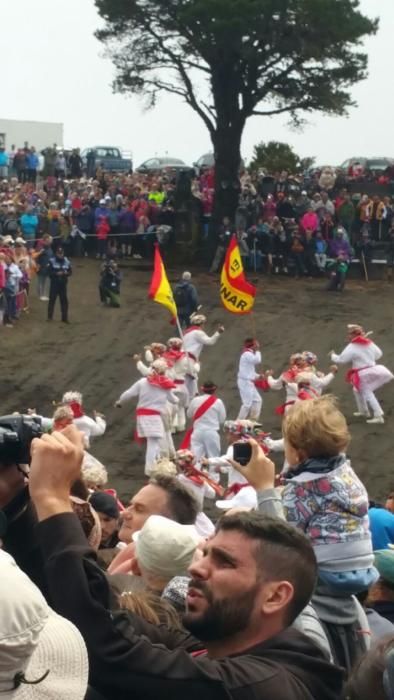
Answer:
(189, 95)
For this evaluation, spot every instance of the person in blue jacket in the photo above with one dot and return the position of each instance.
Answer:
(381, 524)
(32, 164)
(29, 225)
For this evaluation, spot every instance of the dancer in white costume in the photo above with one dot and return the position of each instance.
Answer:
(152, 352)
(365, 376)
(178, 364)
(208, 414)
(88, 426)
(152, 393)
(286, 381)
(194, 339)
(247, 375)
(235, 431)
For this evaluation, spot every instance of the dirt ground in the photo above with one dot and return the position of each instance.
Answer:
(39, 361)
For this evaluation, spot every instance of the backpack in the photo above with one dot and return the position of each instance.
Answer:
(181, 296)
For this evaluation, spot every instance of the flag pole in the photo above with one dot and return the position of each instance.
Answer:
(253, 319)
(178, 325)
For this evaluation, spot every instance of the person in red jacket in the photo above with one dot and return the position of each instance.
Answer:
(102, 231)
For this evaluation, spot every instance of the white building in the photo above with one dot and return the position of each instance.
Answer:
(38, 134)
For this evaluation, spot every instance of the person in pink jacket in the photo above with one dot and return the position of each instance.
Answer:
(310, 221)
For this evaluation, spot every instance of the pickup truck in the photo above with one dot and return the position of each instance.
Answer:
(108, 158)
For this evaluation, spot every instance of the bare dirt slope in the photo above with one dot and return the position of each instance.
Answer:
(39, 361)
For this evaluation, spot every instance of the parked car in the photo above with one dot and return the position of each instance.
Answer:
(372, 164)
(205, 162)
(108, 158)
(164, 166)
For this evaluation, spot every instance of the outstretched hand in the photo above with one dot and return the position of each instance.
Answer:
(260, 471)
(55, 465)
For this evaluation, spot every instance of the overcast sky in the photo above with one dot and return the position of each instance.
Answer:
(53, 70)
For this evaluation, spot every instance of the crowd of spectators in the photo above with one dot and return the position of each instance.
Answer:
(281, 226)
(292, 598)
(306, 225)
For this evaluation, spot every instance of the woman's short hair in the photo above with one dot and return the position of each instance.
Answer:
(317, 427)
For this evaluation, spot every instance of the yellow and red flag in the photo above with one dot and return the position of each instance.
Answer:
(236, 293)
(160, 290)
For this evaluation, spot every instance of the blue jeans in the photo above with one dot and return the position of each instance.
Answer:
(10, 304)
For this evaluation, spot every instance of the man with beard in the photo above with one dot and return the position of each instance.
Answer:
(253, 579)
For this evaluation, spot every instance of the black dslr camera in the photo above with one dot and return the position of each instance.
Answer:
(16, 435)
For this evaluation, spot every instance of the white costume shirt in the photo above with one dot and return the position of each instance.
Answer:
(149, 396)
(247, 364)
(212, 419)
(195, 340)
(234, 476)
(199, 491)
(278, 384)
(358, 355)
(179, 369)
(90, 428)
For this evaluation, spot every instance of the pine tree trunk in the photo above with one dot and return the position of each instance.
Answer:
(227, 147)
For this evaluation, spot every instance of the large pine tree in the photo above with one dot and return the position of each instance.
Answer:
(232, 59)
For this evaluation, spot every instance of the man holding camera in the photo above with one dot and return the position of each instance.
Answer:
(109, 287)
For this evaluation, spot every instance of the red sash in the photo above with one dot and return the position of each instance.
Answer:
(280, 410)
(262, 384)
(172, 356)
(200, 412)
(179, 382)
(192, 357)
(361, 340)
(200, 478)
(291, 374)
(76, 409)
(190, 329)
(144, 412)
(304, 395)
(161, 381)
(234, 489)
(353, 377)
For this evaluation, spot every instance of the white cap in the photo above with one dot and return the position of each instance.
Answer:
(72, 397)
(186, 276)
(175, 341)
(102, 201)
(245, 498)
(36, 643)
(160, 366)
(198, 319)
(165, 548)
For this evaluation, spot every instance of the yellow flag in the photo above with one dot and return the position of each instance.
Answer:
(160, 290)
(237, 294)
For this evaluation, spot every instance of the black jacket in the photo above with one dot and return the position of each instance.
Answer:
(129, 658)
(59, 265)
